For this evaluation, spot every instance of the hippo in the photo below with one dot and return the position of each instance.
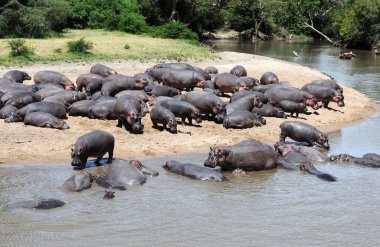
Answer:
(81, 108)
(140, 95)
(183, 110)
(228, 83)
(57, 110)
(103, 110)
(102, 70)
(117, 83)
(195, 171)
(172, 66)
(6, 111)
(22, 99)
(303, 132)
(372, 156)
(78, 182)
(47, 92)
(122, 173)
(278, 94)
(249, 155)
(264, 88)
(246, 103)
(165, 117)
(290, 158)
(211, 70)
(324, 94)
(41, 203)
(250, 82)
(346, 158)
(70, 96)
(293, 107)
(17, 76)
(269, 111)
(128, 111)
(13, 93)
(44, 120)
(93, 144)
(109, 194)
(328, 83)
(48, 76)
(206, 103)
(157, 73)
(243, 93)
(206, 75)
(268, 78)
(91, 83)
(242, 120)
(239, 71)
(7, 86)
(183, 79)
(145, 76)
(163, 90)
(56, 99)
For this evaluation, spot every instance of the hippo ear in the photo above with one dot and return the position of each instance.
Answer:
(221, 151)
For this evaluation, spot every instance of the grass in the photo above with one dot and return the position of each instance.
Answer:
(108, 45)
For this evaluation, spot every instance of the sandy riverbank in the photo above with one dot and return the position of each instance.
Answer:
(27, 144)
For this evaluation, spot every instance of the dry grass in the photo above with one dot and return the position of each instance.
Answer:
(108, 45)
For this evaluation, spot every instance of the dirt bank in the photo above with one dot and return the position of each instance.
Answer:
(26, 144)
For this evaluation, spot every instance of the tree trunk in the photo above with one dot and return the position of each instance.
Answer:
(174, 15)
(320, 33)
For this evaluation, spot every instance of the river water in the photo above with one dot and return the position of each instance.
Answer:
(269, 208)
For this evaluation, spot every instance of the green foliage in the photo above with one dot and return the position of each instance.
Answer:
(20, 49)
(126, 46)
(132, 23)
(173, 30)
(80, 46)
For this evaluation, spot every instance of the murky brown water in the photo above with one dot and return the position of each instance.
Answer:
(270, 208)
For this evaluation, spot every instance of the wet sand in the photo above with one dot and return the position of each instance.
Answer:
(28, 144)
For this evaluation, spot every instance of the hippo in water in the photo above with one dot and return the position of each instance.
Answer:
(94, 144)
(303, 132)
(290, 158)
(42, 203)
(249, 155)
(346, 158)
(122, 173)
(78, 182)
(194, 171)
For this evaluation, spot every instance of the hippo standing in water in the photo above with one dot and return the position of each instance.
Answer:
(102, 70)
(42, 203)
(303, 132)
(290, 158)
(48, 76)
(44, 120)
(94, 144)
(346, 158)
(122, 173)
(17, 76)
(249, 155)
(194, 171)
(78, 182)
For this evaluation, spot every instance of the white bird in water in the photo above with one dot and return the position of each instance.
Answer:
(295, 53)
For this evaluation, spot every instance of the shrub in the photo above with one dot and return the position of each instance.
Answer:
(20, 49)
(126, 46)
(132, 23)
(173, 30)
(80, 46)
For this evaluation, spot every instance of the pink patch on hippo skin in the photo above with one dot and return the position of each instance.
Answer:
(239, 172)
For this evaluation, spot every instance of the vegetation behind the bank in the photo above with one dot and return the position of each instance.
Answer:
(355, 23)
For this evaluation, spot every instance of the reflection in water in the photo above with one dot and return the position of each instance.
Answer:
(270, 208)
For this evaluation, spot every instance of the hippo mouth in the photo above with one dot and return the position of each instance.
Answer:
(341, 104)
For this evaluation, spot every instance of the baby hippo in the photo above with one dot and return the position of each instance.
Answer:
(93, 144)
(195, 171)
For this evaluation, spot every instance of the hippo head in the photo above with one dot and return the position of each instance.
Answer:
(340, 157)
(137, 126)
(172, 124)
(338, 98)
(78, 156)
(219, 118)
(140, 83)
(217, 109)
(168, 165)
(283, 149)
(25, 76)
(280, 113)
(240, 86)
(323, 140)
(196, 116)
(311, 101)
(216, 156)
(109, 194)
(92, 88)
(69, 86)
(18, 103)
(14, 117)
(110, 72)
(256, 102)
(60, 124)
(144, 108)
(261, 120)
(145, 170)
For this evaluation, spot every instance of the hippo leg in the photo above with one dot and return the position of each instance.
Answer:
(190, 121)
(119, 123)
(47, 125)
(97, 161)
(282, 137)
(183, 121)
(110, 156)
(326, 104)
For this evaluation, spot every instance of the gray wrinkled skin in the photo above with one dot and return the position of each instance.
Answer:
(194, 171)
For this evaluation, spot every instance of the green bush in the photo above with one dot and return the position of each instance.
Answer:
(126, 46)
(20, 49)
(173, 30)
(132, 23)
(80, 46)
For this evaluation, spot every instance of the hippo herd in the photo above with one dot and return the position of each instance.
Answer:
(105, 94)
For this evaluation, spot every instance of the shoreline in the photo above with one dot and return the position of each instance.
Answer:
(26, 144)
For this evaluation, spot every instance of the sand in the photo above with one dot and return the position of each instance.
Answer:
(28, 144)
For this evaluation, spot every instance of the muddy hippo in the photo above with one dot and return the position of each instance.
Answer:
(102, 70)
(44, 120)
(290, 158)
(293, 107)
(328, 83)
(269, 111)
(346, 158)
(242, 120)
(324, 94)
(48, 76)
(78, 182)
(81, 108)
(117, 83)
(246, 103)
(122, 173)
(17, 76)
(268, 78)
(206, 103)
(128, 111)
(42, 203)
(91, 83)
(211, 70)
(183, 79)
(195, 171)
(57, 110)
(94, 144)
(183, 110)
(303, 132)
(228, 83)
(239, 71)
(249, 155)
(278, 94)
(177, 66)
(6, 111)
(161, 115)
